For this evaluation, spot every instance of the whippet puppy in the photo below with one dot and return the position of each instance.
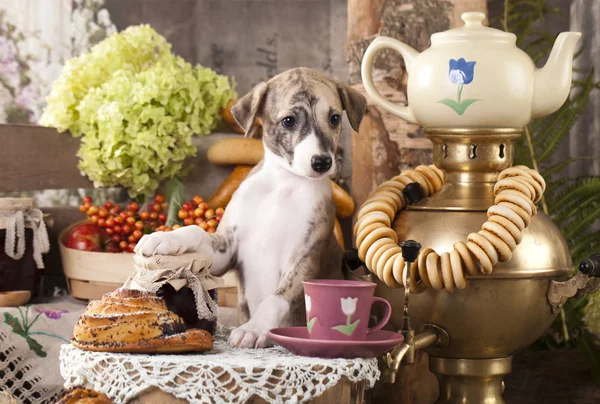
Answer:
(278, 228)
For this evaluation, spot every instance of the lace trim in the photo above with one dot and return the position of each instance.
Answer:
(224, 375)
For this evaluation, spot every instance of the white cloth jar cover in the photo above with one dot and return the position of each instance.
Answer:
(224, 375)
(17, 214)
(191, 270)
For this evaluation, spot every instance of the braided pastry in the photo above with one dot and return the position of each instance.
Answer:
(517, 191)
(128, 320)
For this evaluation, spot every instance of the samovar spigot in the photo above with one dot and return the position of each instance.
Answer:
(430, 334)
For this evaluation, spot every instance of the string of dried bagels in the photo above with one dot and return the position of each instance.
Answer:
(517, 191)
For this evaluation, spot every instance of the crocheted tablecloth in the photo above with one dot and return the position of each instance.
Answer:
(30, 340)
(224, 375)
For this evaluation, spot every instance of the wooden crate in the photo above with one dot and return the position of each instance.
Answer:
(228, 297)
(90, 290)
(92, 274)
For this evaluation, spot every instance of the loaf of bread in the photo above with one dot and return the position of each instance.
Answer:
(229, 120)
(236, 151)
(223, 194)
(231, 123)
(136, 321)
(80, 395)
(337, 232)
(344, 204)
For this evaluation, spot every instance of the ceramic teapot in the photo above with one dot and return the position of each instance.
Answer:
(475, 76)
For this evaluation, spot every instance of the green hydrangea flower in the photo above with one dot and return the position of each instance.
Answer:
(137, 106)
(134, 49)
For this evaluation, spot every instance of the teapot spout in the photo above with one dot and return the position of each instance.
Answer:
(553, 81)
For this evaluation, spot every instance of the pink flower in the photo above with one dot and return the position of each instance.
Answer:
(52, 314)
(26, 96)
(7, 50)
(9, 67)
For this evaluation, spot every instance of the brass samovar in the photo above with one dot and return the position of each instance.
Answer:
(473, 92)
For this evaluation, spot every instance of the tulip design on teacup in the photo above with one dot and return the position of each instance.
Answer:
(348, 307)
(310, 323)
(461, 73)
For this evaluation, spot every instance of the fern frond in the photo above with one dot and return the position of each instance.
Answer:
(569, 108)
(570, 210)
(570, 111)
(557, 134)
(543, 130)
(554, 187)
(574, 203)
(564, 119)
(558, 167)
(585, 218)
(539, 55)
(581, 187)
(578, 53)
(580, 246)
(539, 44)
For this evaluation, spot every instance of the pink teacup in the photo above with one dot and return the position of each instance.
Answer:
(340, 310)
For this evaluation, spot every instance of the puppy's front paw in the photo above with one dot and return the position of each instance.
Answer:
(159, 243)
(249, 335)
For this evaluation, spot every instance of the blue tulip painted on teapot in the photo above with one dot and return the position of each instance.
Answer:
(461, 73)
(475, 76)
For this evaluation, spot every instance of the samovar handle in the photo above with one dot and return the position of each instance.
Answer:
(585, 281)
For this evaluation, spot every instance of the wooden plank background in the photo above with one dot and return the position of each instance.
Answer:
(37, 158)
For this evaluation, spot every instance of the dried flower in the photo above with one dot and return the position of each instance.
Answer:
(52, 314)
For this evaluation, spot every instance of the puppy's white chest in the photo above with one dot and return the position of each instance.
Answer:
(271, 225)
(273, 220)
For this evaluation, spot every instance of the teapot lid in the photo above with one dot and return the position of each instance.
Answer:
(473, 30)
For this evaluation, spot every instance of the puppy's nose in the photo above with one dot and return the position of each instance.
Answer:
(320, 163)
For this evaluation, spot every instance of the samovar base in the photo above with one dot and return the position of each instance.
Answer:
(468, 381)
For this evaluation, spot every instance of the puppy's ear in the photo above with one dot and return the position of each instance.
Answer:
(354, 103)
(245, 111)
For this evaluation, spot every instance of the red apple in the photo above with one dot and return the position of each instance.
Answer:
(86, 237)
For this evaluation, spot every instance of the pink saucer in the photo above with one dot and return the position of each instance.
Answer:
(296, 340)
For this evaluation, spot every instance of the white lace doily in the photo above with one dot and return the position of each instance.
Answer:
(224, 375)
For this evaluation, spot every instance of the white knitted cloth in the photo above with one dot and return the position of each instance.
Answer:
(16, 214)
(224, 375)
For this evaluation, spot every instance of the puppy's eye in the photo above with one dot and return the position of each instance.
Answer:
(288, 122)
(334, 119)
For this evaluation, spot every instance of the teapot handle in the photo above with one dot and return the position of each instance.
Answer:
(380, 43)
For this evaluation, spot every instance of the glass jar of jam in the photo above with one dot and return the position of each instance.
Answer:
(184, 281)
(19, 223)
